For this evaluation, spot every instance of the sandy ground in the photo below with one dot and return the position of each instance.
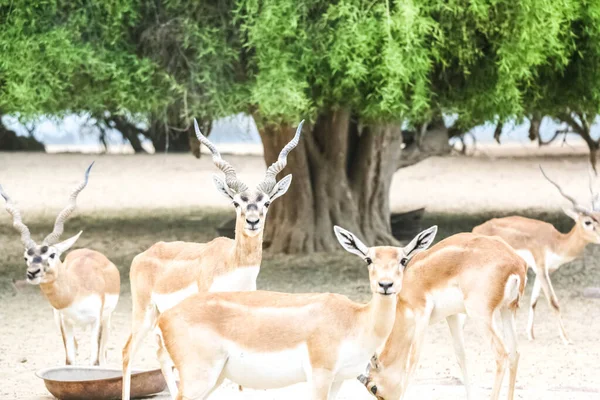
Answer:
(549, 370)
(40, 183)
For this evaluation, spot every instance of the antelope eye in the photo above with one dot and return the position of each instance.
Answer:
(52, 255)
(588, 223)
(236, 204)
(404, 261)
(267, 204)
(25, 258)
(368, 261)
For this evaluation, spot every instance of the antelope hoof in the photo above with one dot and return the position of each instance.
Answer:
(567, 341)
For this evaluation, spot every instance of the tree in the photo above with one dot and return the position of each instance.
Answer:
(62, 57)
(359, 72)
(365, 75)
(566, 87)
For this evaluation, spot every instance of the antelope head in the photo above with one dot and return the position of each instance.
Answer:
(386, 263)
(43, 260)
(251, 205)
(586, 218)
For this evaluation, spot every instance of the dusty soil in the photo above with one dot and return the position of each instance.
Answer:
(171, 197)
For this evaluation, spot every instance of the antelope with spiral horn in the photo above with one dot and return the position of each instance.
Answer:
(545, 249)
(167, 273)
(83, 290)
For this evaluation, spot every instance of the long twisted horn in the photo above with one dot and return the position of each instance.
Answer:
(270, 180)
(230, 177)
(59, 224)
(576, 205)
(17, 220)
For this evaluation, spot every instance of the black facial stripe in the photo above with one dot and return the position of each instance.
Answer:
(351, 242)
(244, 198)
(44, 249)
(252, 207)
(30, 252)
(259, 197)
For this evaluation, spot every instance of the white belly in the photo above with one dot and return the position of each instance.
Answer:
(84, 312)
(528, 257)
(266, 370)
(239, 280)
(554, 261)
(353, 359)
(446, 302)
(165, 301)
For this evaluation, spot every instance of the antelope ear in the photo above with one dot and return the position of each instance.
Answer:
(223, 188)
(67, 244)
(281, 187)
(350, 242)
(421, 242)
(571, 213)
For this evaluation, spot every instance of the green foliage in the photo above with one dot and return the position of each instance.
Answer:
(282, 60)
(71, 56)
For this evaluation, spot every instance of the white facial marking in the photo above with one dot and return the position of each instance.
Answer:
(266, 370)
(241, 279)
(165, 301)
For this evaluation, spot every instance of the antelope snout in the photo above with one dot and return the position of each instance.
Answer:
(386, 287)
(33, 273)
(252, 223)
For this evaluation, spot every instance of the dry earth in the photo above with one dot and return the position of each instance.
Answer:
(133, 201)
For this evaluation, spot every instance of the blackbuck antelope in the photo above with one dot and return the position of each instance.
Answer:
(464, 274)
(83, 290)
(545, 249)
(167, 273)
(267, 340)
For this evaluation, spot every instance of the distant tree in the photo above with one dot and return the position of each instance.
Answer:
(62, 57)
(567, 88)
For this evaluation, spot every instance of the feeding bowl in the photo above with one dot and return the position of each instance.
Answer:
(74, 382)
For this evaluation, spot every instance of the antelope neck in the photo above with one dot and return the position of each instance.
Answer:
(572, 243)
(248, 249)
(381, 312)
(59, 292)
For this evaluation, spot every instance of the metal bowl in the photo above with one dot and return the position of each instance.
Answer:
(96, 383)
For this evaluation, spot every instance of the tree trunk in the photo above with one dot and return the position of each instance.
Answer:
(129, 132)
(582, 128)
(177, 141)
(341, 176)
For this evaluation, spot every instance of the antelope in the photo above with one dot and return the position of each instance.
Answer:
(266, 340)
(167, 273)
(463, 275)
(545, 249)
(83, 290)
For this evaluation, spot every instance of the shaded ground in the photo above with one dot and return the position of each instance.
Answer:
(30, 341)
